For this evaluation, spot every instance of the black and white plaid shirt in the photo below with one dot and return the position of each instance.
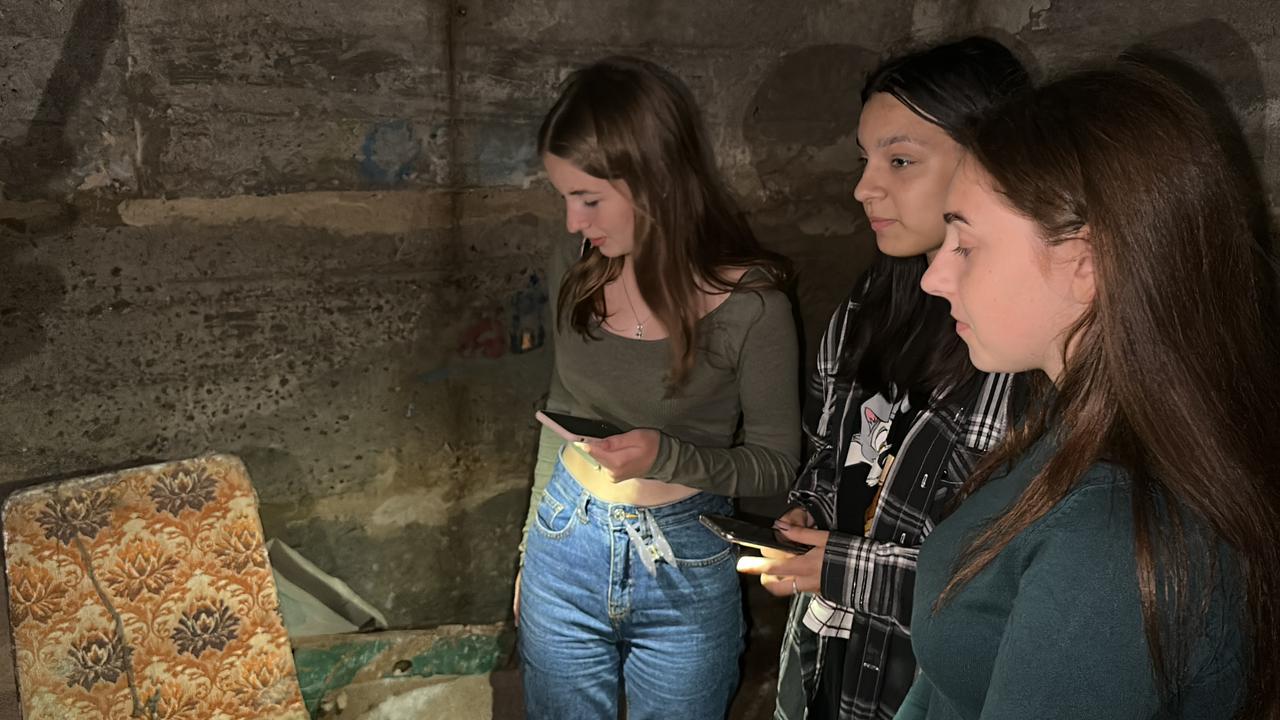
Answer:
(867, 582)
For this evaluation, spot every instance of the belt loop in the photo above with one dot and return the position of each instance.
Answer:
(582, 506)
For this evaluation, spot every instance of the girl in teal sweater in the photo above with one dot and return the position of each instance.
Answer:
(1116, 558)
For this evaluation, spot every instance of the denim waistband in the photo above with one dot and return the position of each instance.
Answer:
(642, 524)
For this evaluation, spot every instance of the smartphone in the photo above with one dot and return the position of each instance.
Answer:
(576, 429)
(750, 534)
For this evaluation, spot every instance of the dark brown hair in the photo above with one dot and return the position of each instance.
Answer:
(1171, 374)
(627, 119)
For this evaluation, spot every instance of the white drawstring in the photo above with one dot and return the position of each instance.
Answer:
(656, 549)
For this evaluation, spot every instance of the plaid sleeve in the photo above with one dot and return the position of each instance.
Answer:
(815, 486)
(876, 578)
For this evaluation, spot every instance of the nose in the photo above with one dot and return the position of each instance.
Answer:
(940, 278)
(869, 186)
(575, 220)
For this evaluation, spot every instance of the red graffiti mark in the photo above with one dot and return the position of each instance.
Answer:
(487, 338)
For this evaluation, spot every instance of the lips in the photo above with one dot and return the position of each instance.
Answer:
(879, 223)
(596, 241)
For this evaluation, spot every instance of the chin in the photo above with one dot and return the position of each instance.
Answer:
(992, 365)
(980, 361)
(903, 247)
(611, 251)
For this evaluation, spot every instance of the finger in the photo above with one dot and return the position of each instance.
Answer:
(804, 536)
(797, 516)
(808, 583)
(777, 585)
(607, 456)
(773, 554)
(608, 464)
(515, 602)
(753, 565)
(614, 443)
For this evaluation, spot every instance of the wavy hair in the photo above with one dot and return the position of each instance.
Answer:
(626, 119)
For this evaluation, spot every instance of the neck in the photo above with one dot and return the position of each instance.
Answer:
(628, 268)
(1056, 363)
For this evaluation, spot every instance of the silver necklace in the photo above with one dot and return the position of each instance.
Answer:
(634, 314)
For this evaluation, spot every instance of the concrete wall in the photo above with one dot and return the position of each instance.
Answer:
(312, 232)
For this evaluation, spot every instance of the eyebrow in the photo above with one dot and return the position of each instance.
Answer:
(895, 139)
(954, 217)
(892, 140)
(584, 192)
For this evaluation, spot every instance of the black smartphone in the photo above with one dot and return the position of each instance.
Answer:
(750, 534)
(575, 429)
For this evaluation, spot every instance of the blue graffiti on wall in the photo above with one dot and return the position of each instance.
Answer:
(528, 331)
(390, 152)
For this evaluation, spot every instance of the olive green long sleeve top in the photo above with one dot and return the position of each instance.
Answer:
(732, 428)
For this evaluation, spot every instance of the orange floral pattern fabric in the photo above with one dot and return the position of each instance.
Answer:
(146, 593)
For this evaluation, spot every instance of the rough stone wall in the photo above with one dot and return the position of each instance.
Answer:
(312, 232)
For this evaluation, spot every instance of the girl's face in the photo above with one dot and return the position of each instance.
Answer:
(600, 210)
(1013, 296)
(909, 163)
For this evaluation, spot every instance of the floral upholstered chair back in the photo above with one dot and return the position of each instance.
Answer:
(146, 593)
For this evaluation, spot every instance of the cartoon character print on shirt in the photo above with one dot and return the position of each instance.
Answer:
(871, 446)
(873, 441)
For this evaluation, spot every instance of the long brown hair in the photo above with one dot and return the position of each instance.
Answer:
(1171, 373)
(627, 119)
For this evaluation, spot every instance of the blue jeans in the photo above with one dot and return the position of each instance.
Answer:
(595, 615)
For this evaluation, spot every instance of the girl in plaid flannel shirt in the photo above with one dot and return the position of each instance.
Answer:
(896, 415)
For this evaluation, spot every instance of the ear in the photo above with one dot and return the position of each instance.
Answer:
(1083, 285)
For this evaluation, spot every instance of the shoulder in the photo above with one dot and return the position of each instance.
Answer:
(753, 297)
(1094, 520)
(1099, 488)
(754, 315)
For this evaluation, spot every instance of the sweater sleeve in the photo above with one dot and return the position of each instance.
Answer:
(766, 461)
(915, 706)
(549, 443)
(1074, 645)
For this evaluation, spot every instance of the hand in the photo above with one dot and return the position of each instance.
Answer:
(515, 604)
(625, 456)
(785, 574)
(795, 517)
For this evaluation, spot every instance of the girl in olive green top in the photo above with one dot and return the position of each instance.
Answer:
(1116, 558)
(669, 323)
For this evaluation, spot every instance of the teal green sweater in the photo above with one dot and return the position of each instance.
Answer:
(1053, 627)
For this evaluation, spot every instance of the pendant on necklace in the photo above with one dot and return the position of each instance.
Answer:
(639, 329)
